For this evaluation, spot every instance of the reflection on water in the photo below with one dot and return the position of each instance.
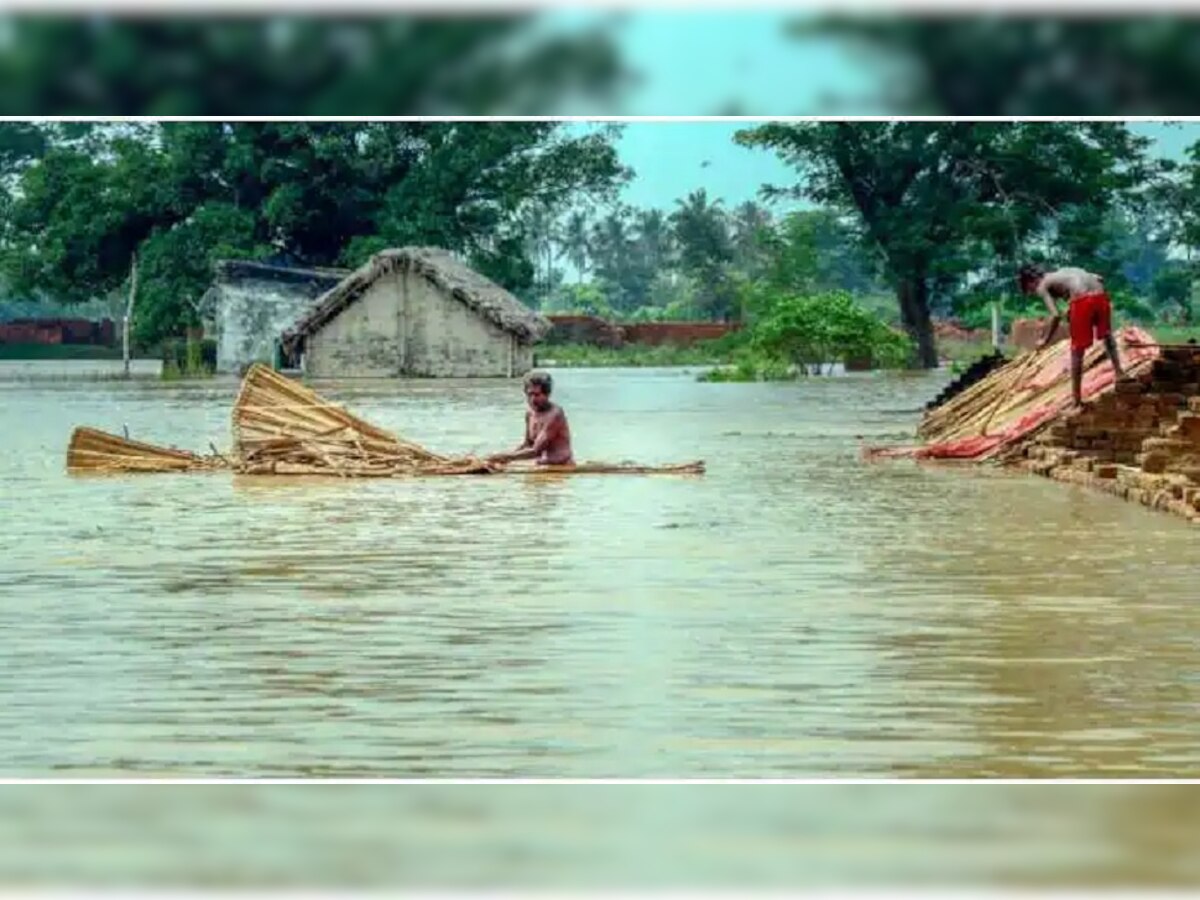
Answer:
(795, 612)
(619, 836)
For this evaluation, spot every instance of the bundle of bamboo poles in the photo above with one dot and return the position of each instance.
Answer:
(92, 450)
(281, 427)
(1036, 381)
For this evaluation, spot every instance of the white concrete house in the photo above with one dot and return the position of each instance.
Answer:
(251, 303)
(418, 312)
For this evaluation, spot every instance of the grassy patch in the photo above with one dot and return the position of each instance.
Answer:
(750, 366)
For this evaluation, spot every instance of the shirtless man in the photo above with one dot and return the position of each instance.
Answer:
(1089, 311)
(547, 435)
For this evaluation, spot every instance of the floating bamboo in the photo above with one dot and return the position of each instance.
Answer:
(92, 450)
(281, 427)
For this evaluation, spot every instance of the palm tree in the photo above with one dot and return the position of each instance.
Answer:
(577, 242)
(654, 239)
(750, 221)
(705, 249)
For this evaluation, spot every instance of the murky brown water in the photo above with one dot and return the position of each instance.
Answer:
(794, 613)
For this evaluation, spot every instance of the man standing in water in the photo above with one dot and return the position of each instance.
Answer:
(1089, 312)
(547, 435)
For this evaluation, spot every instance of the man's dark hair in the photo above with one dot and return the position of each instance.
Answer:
(1030, 273)
(539, 379)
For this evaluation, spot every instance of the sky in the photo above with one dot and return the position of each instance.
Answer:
(709, 62)
(671, 159)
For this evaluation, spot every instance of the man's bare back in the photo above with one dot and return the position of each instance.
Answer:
(1066, 284)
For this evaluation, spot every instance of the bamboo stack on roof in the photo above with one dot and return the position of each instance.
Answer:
(1020, 398)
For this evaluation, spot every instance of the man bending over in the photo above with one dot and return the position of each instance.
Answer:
(1089, 312)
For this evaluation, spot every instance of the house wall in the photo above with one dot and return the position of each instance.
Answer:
(250, 314)
(405, 326)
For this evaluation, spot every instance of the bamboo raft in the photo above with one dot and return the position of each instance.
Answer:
(281, 427)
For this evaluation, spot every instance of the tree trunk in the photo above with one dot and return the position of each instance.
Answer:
(913, 294)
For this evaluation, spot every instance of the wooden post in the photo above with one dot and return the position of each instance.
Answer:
(133, 278)
(995, 325)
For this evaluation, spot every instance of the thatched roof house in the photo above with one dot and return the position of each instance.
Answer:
(415, 311)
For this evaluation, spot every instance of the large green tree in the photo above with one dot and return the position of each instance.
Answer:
(319, 194)
(931, 197)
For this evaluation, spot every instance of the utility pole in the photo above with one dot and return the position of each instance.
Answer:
(133, 276)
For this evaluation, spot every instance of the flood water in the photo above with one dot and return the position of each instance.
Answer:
(794, 613)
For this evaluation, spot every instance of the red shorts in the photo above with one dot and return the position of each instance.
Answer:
(1089, 314)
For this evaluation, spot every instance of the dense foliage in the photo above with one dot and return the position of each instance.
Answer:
(183, 195)
(913, 220)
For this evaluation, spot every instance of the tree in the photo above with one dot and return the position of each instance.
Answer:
(653, 241)
(314, 194)
(705, 251)
(817, 250)
(960, 65)
(577, 242)
(814, 331)
(751, 223)
(930, 197)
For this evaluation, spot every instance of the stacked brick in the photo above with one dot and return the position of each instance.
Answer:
(1140, 441)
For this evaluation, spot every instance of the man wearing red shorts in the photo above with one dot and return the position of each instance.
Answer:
(1089, 313)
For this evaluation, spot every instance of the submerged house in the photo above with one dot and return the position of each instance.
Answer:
(415, 311)
(251, 303)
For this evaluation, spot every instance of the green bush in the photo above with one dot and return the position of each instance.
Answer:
(751, 366)
(821, 329)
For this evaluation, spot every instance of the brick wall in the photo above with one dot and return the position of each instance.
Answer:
(57, 331)
(953, 329)
(585, 330)
(1026, 334)
(682, 333)
(1116, 426)
(1140, 442)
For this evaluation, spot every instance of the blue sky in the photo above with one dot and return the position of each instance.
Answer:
(673, 158)
(707, 62)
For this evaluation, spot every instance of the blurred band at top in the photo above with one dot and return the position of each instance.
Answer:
(301, 65)
(666, 62)
(1024, 65)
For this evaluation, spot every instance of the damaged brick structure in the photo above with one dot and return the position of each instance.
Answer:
(1140, 441)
